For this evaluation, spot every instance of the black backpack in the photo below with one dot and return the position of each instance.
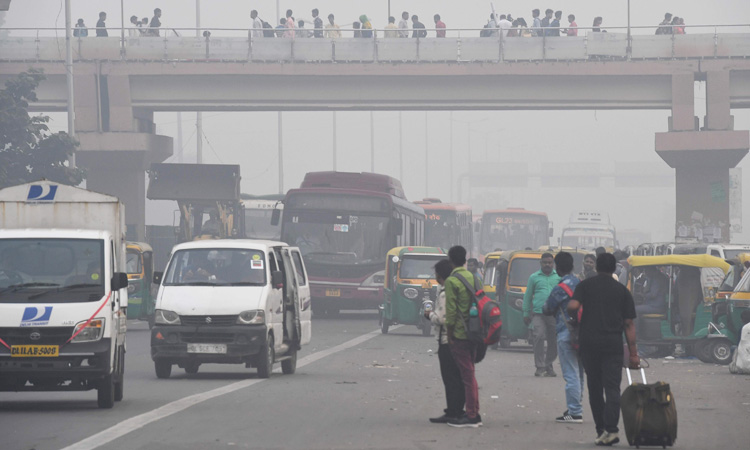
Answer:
(267, 29)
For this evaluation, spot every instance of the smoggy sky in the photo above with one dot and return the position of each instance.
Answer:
(533, 137)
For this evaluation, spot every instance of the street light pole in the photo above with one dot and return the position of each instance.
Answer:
(69, 77)
(372, 142)
(400, 149)
(199, 115)
(450, 157)
(281, 156)
(426, 157)
(335, 150)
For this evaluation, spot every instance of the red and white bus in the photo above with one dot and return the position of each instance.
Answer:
(344, 224)
(447, 224)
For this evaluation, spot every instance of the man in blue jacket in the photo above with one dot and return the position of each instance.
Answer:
(572, 369)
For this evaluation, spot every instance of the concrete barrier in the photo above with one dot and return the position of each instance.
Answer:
(607, 44)
(733, 45)
(271, 49)
(355, 50)
(652, 47)
(313, 49)
(480, 49)
(148, 48)
(565, 48)
(523, 49)
(694, 45)
(438, 49)
(396, 49)
(229, 48)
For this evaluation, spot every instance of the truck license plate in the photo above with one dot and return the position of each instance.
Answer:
(35, 351)
(207, 348)
(333, 292)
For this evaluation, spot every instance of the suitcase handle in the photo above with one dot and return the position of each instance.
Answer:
(630, 379)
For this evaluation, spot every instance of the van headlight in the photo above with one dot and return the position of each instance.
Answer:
(88, 332)
(251, 317)
(375, 280)
(164, 317)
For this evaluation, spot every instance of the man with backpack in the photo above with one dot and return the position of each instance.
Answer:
(458, 301)
(567, 342)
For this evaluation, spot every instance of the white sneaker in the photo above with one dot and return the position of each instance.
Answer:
(608, 439)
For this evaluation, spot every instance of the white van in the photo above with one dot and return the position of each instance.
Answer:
(231, 301)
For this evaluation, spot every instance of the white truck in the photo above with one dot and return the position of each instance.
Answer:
(63, 290)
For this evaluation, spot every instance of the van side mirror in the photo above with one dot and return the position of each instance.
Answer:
(277, 279)
(157, 277)
(119, 281)
(275, 217)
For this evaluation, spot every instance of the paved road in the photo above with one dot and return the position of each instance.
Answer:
(376, 392)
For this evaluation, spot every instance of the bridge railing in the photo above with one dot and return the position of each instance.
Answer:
(462, 45)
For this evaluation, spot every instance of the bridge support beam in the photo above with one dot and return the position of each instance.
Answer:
(702, 157)
(116, 164)
(117, 144)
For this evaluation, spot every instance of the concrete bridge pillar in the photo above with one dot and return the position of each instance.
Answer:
(118, 144)
(702, 157)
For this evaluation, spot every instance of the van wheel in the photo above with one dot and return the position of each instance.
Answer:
(120, 384)
(266, 358)
(192, 368)
(720, 351)
(289, 366)
(105, 393)
(163, 369)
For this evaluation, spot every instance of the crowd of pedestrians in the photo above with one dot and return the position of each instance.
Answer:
(409, 26)
(581, 317)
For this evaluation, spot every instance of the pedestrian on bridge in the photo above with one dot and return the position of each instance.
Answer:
(555, 24)
(546, 22)
(367, 31)
(572, 30)
(403, 25)
(419, 28)
(536, 26)
(134, 31)
(80, 30)
(332, 30)
(439, 27)
(317, 24)
(391, 30)
(289, 30)
(155, 23)
(664, 26)
(101, 26)
(597, 28)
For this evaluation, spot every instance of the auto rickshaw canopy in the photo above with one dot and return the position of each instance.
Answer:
(702, 260)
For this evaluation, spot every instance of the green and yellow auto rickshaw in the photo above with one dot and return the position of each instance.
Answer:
(693, 315)
(738, 307)
(410, 287)
(140, 267)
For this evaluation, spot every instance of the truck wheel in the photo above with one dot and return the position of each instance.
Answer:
(120, 384)
(192, 368)
(105, 393)
(721, 351)
(289, 366)
(163, 369)
(384, 326)
(265, 359)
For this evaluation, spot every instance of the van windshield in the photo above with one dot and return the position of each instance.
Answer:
(217, 267)
(51, 270)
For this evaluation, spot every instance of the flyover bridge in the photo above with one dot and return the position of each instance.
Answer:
(120, 83)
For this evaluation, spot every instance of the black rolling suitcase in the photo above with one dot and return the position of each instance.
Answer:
(649, 415)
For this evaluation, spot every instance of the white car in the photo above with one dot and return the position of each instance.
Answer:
(231, 301)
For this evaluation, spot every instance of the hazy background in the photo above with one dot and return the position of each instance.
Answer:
(533, 137)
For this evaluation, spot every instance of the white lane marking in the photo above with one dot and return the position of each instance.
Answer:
(139, 421)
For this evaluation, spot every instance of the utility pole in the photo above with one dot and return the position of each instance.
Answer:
(179, 137)
(281, 156)
(372, 142)
(450, 157)
(69, 77)
(334, 142)
(400, 149)
(426, 156)
(199, 115)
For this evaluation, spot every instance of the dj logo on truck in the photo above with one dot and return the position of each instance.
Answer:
(41, 193)
(33, 316)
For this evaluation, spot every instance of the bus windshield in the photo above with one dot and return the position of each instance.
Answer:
(520, 271)
(513, 231)
(258, 224)
(419, 267)
(51, 270)
(441, 230)
(327, 237)
(587, 238)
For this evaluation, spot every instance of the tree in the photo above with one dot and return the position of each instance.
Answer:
(29, 151)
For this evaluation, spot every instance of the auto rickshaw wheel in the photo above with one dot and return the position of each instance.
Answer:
(701, 350)
(504, 342)
(384, 326)
(720, 351)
